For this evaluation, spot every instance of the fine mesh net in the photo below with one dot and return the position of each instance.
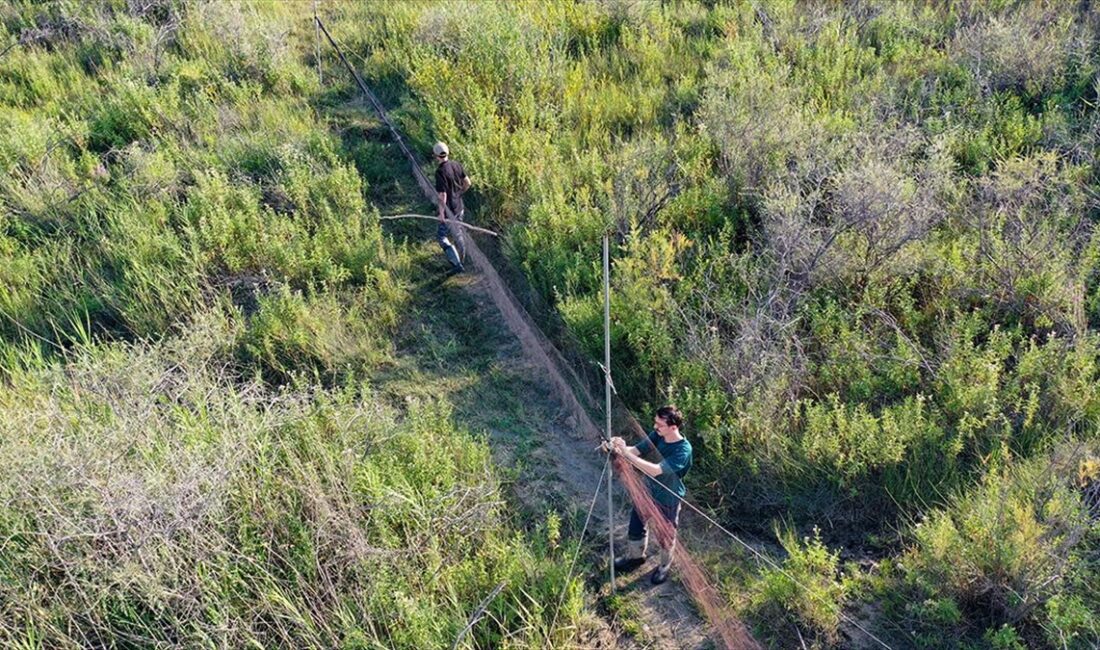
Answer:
(728, 628)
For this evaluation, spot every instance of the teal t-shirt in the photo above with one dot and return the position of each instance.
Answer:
(675, 463)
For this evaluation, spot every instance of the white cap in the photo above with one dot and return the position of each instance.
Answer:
(440, 149)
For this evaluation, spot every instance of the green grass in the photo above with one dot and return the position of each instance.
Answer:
(207, 347)
(160, 501)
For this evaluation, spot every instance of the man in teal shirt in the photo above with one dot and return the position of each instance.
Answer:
(665, 482)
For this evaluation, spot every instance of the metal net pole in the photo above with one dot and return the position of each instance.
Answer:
(607, 401)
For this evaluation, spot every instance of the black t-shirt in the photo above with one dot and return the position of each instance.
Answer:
(449, 178)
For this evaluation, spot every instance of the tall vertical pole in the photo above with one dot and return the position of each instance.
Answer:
(317, 49)
(607, 398)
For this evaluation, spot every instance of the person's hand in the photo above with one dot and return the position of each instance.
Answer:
(618, 444)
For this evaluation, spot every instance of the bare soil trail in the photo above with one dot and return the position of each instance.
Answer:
(456, 347)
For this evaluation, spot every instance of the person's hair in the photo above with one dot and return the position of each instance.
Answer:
(671, 415)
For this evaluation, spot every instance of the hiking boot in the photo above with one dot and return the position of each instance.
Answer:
(634, 556)
(659, 575)
(628, 564)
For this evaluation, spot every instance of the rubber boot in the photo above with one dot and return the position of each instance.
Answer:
(660, 574)
(452, 255)
(634, 556)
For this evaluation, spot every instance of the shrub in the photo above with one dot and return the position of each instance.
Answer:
(849, 445)
(756, 119)
(1024, 50)
(1004, 550)
(808, 591)
(1029, 224)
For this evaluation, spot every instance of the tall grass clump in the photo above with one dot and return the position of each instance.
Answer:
(807, 591)
(1005, 559)
(159, 155)
(151, 499)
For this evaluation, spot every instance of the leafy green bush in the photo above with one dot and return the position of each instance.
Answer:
(808, 591)
(850, 443)
(1005, 554)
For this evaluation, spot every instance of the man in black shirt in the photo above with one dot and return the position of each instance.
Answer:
(451, 182)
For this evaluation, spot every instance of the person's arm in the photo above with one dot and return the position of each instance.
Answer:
(465, 179)
(651, 469)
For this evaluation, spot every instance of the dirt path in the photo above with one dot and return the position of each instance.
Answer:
(462, 348)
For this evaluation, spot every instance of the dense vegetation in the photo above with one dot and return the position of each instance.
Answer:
(855, 242)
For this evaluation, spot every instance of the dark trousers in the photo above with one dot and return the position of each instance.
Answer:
(636, 529)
